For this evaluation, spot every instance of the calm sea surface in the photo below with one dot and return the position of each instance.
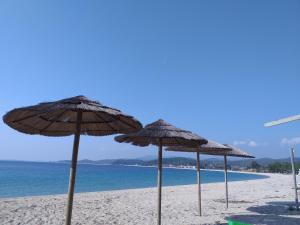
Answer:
(33, 178)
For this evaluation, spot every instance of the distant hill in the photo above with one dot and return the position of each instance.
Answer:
(247, 162)
(128, 162)
(176, 161)
(147, 158)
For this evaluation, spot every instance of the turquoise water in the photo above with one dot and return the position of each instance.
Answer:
(19, 179)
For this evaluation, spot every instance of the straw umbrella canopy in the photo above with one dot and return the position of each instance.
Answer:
(233, 151)
(161, 133)
(210, 146)
(227, 151)
(77, 115)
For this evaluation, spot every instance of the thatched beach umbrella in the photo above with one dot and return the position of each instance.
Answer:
(161, 133)
(229, 151)
(235, 152)
(77, 115)
(211, 146)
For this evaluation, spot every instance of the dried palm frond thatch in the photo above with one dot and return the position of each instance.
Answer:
(161, 131)
(59, 118)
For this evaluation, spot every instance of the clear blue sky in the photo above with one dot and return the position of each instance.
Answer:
(218, 68)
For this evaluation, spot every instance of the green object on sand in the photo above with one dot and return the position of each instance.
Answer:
(233, 222)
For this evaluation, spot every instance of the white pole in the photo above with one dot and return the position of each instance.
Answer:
(199, 182)
(159, 176)
(226, 179)
(294, 177)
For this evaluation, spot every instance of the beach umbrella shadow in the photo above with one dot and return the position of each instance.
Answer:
(270, 214)
(255, 219)
(275, 208)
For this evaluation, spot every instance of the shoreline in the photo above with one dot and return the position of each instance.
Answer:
(194, 169)
(153, 166)
(169, 167)
(179, 168)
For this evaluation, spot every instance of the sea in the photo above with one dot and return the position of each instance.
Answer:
(19, 179)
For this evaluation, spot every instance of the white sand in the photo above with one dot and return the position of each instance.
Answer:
(256, 201)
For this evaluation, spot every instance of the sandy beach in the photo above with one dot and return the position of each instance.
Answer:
(261, 201)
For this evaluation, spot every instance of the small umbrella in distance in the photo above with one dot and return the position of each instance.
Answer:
(209, 147)
(227, 151)
(235, 152)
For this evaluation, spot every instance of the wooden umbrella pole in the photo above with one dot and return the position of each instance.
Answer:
(199, 182)
(226, 179)
(73, 169)
(159, 183)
